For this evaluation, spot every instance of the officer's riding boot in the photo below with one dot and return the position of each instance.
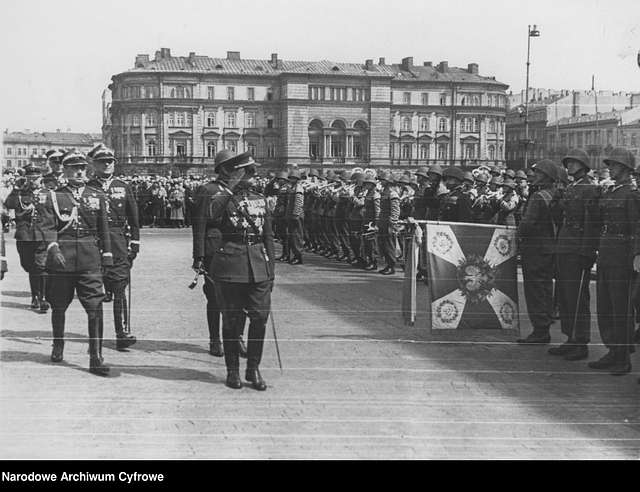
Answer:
(123, 339)
(231, 358)
(96, 364)
(539, 335)
(34, 284)
(256, 344)
(622, 363)
(57, 324)
(44, 305)
(213, 322)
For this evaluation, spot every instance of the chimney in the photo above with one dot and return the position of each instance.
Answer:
(274, 60)
(472, 68)
(407, 63)
(381, 61)
(427, 64)
(141, 60)
(158, 56)
(443, 66)
(233, 55)
(368, 65)
(192, 58)
(165, 53)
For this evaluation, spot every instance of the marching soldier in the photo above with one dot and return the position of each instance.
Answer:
(387, 221)
(576, 247)
(294, 217)
(26, 200)
(618, 258)
(537, 232)
(79, 244)
(455, 206)
(123, 222)
(242, 264)
(206, 239)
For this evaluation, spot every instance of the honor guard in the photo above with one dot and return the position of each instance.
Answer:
(455, 206)
(26, 199)
(387, 222)
(294, 216)
(618, 259)
(124, 230)
(79, 245)
(242, 265)
(537, 232)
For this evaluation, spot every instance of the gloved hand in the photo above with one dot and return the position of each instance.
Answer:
(55, 259)
(107, 260)
(198, 265)
(588, 262)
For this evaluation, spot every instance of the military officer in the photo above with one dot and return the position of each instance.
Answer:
(455, 206)
(537, 232)
(618, 258)
(355, 219)
(206, 239)
(79, 244)
(280, 213)
(26, 200)
(576, 247)
(370, 216)
(387, 222)
(294, 215)
(242, 265)
(55, 177)
(124, 230)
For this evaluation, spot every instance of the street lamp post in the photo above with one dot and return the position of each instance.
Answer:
(531, 33)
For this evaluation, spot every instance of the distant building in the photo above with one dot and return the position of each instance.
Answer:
(176, 112)
(550, 110)
(20, 148)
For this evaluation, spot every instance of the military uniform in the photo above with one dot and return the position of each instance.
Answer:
(279, 216)
(389, 216)
(371, 215)
(294, 216)
(355, 217)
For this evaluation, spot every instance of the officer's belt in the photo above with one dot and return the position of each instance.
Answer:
(248, 239)
(77, 233)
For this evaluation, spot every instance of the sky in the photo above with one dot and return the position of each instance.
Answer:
(60, 55)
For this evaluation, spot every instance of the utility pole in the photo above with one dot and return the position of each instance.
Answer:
(531, 33)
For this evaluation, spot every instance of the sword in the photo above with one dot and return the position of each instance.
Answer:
(128, 325)
(275, 338)
(575, 316)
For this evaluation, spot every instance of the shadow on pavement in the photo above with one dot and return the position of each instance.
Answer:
(16, 293)
(15, 305)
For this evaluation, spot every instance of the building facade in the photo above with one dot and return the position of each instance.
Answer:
(20, 148)
(177, 112)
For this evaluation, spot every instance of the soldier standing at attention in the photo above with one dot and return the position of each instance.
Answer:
(54, 178)
(79, 244)
(389, 216)
(576, 247)
(618, 258)
(26, 199)
(537, 232)
(370, 216)
(123, 214)
(456, 205)
(294, 216)
(242, 265)
(279, 215)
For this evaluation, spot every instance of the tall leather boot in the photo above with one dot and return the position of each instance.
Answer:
(231, 357)
(34, 285)
(123, 339)
(57, 325)
(44, 305)
(213, 322)
(96, 364)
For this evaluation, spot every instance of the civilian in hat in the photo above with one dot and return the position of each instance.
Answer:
(124, 232)
(537, 232)
(294, 215)
(79, 246)
(242, 265)
(26, 199)
(618, 262)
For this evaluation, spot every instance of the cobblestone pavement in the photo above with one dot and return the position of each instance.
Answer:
(356, 382)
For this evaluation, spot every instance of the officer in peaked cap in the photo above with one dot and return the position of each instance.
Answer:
(456, 205)
(618, 262)
(242, 265)
(79, 246)
(124, 230)
(537, 245)
(207, 237)
(294, 216)
(54, 177)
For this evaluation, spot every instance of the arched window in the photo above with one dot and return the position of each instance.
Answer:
(251, 148)
(476, 124)
(406, 151)
(424, 124)
(424, 151)
(442, 125)
(231, 145)
(492, 126)
(406, 123)
(231, 120)
(470, 151)
(173, 92)
(463, 101)
(211, 148)
(443, 99)
(492, 152)
(442, 151)
(271, 151)
(500, 152)
(211, 119)
(476, 101)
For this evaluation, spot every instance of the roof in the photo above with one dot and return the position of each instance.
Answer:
(205, 64)
(63, 139)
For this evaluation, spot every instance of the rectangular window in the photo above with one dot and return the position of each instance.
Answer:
(231, 145)
(8, 150)
(171, 121)
(179, 119)
(270, 122)
(150, 119)
(136, 120)
(211, 119)
(151, 148)
(271, 150)
(425, 98)
(181, 149)
(250, 120)
(251, 148)
(211, 92)
(230, 120)
(251, 94)
(189, 119)
(230, 94)
(406, 98)
(443, 99)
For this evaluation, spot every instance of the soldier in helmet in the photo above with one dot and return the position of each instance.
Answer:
(434, 193)
(576, 247)
(420, 200)
(124, 230)
(387, 221)
(26, 200)
(618, 258)
(483, 207)
(370, 217)
(355, 218)
(294, 216)
(456, 205)
(507, 204)
(537, 232)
